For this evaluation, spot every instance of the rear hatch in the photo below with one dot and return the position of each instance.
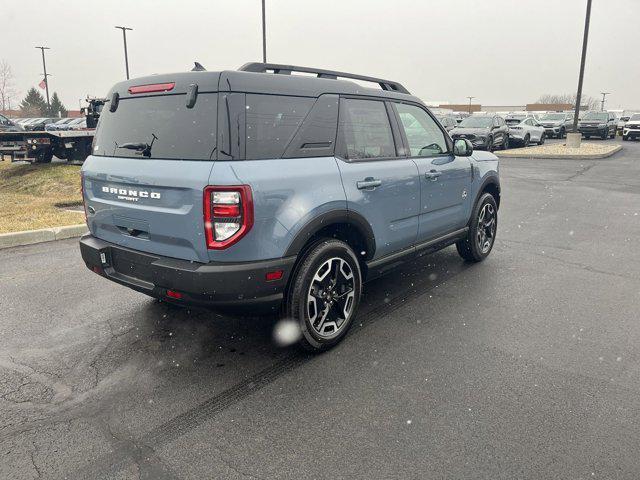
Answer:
(152, 158)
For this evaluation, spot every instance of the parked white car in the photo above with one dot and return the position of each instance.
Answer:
(525, 129)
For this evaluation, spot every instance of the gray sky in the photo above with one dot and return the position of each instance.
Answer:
(503, 52)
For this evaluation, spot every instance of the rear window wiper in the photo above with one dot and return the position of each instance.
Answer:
(143, 148)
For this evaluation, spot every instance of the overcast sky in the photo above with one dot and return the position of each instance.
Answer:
(504, 52)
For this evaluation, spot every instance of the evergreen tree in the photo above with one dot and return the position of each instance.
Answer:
(34, 104)
(57, 108)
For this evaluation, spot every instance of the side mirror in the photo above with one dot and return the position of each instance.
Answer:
(462, 147)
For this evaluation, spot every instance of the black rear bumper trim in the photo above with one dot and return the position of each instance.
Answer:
(215, 284)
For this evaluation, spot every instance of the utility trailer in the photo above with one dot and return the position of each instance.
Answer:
(40, 147)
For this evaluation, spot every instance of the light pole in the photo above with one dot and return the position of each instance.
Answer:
(604, 94)
(264, 34)
(126, 56)
(585, 38)
(46, 76)
(470, 98)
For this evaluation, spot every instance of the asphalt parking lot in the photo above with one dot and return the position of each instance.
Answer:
(524, 366)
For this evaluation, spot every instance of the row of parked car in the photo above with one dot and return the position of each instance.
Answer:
(47, 123)
(493, 131)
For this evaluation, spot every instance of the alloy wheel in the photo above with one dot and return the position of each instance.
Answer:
(331, 296)
(486, 227)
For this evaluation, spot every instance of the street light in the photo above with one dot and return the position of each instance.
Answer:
(604, 94)
(126, 57)
(585, 38)
(46, 75)
(264, 34)
(470, 98)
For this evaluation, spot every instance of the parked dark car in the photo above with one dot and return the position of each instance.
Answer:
(598, 124)
(449, 122)
(7, 125)
(39, 124)
(483, 131)
(60, 123)
(390, 185)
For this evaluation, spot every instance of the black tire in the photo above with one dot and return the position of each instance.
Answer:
(527, 139)
(470, 247)
(505, 143)
(44, 156)
(625, 137)
(490, 144)
(604, 135)
(307, 290)
(542, 139)
(563, 133)
(587, 137)
(612, 134)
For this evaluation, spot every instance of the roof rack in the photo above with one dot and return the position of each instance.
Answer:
(287, 69)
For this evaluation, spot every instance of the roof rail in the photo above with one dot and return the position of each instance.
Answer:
(287, 69)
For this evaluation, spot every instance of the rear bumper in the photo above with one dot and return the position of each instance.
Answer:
(218, 285)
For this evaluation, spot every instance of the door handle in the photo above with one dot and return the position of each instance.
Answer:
(432, 175)
(368, 183)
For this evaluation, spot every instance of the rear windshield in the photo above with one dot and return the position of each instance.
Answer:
(514, 120)
(181, 133)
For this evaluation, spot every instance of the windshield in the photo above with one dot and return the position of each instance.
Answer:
(180, 132)
(476, 122)
(554, 116)
(635, 116)
(601, 116)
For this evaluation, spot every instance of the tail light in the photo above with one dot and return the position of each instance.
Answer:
(228, 214)
(84, 202)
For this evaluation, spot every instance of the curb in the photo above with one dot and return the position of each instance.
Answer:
(595, 156)
(29, 237)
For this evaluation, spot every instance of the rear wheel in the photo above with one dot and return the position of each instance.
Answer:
(44, 156)
(324, 294)
(482, 230)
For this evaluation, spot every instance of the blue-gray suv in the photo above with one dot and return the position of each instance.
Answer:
(277, 187)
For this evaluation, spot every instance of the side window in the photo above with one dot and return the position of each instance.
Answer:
(364, 130)
(423, 134)
(271, 123)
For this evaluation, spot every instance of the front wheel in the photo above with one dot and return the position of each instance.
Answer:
(542, 139)
(482, 231)
(563, 133)
(490, 144)
(527, 139)
(324, 294)
(625, 137)
(505, 143)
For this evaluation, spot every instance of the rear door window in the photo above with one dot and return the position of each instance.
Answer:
(181, 133)
(364, 131)
(271, 123)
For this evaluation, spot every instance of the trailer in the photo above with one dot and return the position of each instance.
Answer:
(41, 147)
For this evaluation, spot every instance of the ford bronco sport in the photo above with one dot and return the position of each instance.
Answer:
(277, 186)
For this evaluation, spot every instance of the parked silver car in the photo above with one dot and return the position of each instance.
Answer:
(525, 129)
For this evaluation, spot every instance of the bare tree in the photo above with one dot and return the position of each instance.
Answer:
(590, 102)
(7, 90)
